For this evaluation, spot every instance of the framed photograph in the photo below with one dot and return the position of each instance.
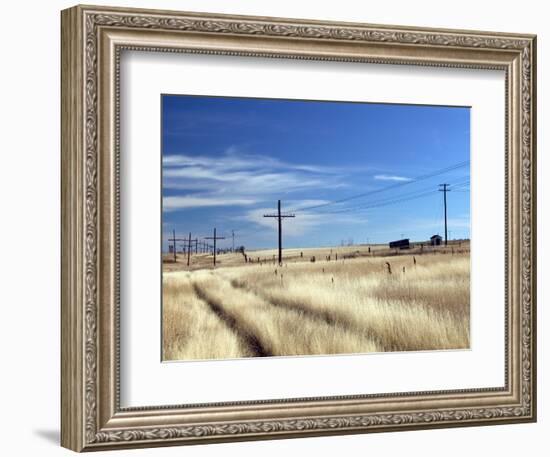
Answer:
(274, 228)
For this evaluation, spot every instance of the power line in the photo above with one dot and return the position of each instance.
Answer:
(371, 205)
(381, 204)
(458, 187)
(393, 186)
(387, 201)
(462, 188)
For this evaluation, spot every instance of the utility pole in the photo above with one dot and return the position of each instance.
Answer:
(174, 245)
(233, 243)
(174, 239)
(214, 238)
(189, 241)
(280, 218)
(445, 189)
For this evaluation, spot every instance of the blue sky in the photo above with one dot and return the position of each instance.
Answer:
(348, 171)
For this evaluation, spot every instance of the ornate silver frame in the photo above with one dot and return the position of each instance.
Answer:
(92, 40)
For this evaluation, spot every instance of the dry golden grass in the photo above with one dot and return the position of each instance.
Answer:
(303, 308)
(276, 330)
(190, 330)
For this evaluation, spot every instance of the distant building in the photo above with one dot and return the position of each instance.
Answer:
(400, 244)
(435, 240)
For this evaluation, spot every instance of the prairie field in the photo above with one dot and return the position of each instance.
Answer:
(350, 305)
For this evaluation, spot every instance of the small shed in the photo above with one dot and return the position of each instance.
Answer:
(400, 244)
(436, 240)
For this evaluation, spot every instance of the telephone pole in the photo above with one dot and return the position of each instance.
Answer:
(233, 243)
(174, 239)
(214, 238)
(174, 245)
(189, 241)
(280, 218)
(445, 189)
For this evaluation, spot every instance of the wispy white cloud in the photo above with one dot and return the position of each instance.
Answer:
(242, 183)
(189, 201)
(391, 178)
(297, 204)
(232, 159)
(238, 174)
(303, 222)
(228, 161)
(297, 226)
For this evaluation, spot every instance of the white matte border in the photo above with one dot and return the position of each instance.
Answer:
(145, 381)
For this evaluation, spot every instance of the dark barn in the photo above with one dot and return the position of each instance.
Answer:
(400, 244)
(435, 240)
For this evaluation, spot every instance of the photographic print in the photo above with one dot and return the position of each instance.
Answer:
(305, 227)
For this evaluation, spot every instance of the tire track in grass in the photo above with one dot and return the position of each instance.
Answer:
(316, 315)
(324, 316)
(252, 341)
(390, 342)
